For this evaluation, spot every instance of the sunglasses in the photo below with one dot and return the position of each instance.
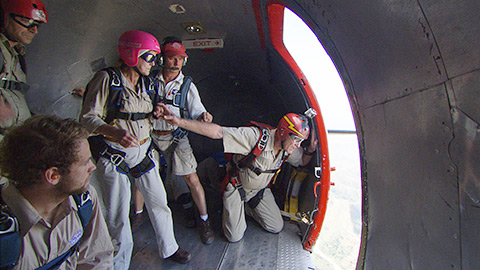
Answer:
(296, 139)
(148, 57)
(27, 22)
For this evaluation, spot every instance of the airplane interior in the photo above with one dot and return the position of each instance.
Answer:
(410, 69)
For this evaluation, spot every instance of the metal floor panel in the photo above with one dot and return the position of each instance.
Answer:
(146, 256)
(257, 250)
(290, 254)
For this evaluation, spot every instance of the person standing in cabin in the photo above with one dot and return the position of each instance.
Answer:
(117, 108)
(182, 97)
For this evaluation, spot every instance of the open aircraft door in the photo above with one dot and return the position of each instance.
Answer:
(303, 193)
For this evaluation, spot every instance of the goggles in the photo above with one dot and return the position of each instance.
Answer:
(296, 139)
(148, 57)
(26, 22)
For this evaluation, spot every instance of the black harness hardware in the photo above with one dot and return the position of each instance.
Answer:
(117, 157)
(114, 100)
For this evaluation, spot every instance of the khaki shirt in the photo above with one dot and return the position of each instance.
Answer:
(194, 104)
(94, 109)
(43, 242)
(241, 141)
(12, 71)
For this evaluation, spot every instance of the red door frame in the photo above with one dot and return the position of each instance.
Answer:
(275, 14)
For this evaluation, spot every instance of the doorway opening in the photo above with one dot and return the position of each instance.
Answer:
(338, 244)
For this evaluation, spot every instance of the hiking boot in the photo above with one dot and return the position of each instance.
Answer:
(206, 232)
(180, 256)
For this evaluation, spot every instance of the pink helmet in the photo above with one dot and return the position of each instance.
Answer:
(292, 123)
(133, 43)
(32, 9)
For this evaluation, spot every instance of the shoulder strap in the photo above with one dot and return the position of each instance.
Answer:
(152, 88)
(187, 80)
(259, 146)
(115, 93)
(10, 240)
(85, 208)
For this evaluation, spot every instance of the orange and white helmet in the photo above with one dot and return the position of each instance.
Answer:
(31, 9)
(295, 124)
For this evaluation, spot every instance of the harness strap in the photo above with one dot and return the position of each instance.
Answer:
(180, 98)
(247, 162)
(257, 150)
(187, 80)
(178, 134)
(143, 167)
(57, 262)
(14, 85)
(255, 200)
(117, 158)
(258, 171)
(85, 209)
(114, 95)
(131, 116)
(238, 185)
(166, 101)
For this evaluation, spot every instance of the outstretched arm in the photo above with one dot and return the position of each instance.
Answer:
(210, 130)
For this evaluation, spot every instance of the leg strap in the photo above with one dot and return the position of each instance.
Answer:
(117, 158)
(255, 200)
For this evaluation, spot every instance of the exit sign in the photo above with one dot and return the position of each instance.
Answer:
(203, 43)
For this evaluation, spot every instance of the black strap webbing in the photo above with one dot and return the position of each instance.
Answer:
(131, 116)
(255, 200)
(14, 85)
(100, 148)
(85, 209)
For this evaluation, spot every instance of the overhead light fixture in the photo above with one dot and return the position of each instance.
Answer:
(177, 9)
(193, 28)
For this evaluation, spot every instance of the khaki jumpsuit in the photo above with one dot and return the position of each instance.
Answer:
(240, 141)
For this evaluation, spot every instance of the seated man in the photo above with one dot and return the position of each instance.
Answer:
(247, 190)
(48, 164)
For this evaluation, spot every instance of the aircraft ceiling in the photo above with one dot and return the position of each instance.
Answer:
(410, 69)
